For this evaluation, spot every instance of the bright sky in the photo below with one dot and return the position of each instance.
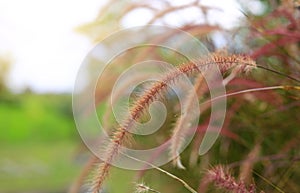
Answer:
(46, 50)
(41, 39)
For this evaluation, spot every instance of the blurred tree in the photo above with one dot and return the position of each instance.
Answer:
(5, 65)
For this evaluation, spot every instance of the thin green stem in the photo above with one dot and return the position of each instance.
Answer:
(268, 181)
(165, 172)
(285, 87)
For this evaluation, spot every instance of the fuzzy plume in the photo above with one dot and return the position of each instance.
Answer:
(224, 63)
(238, 64)
(220, 177)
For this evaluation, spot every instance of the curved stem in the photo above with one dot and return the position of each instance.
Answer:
(163, 171)
(286, 87)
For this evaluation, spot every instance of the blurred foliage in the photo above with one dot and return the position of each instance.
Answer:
(26, 115)
(38, 143)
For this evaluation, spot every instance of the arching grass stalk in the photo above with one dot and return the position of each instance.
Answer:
(224, 63)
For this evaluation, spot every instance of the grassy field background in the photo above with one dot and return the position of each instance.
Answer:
(39, 143)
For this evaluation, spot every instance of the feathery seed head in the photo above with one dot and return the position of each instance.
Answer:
(246, 63)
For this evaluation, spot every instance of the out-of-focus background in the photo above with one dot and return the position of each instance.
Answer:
(42, 45)
(40, 53)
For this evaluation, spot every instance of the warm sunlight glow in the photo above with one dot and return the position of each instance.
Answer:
(40, 36)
